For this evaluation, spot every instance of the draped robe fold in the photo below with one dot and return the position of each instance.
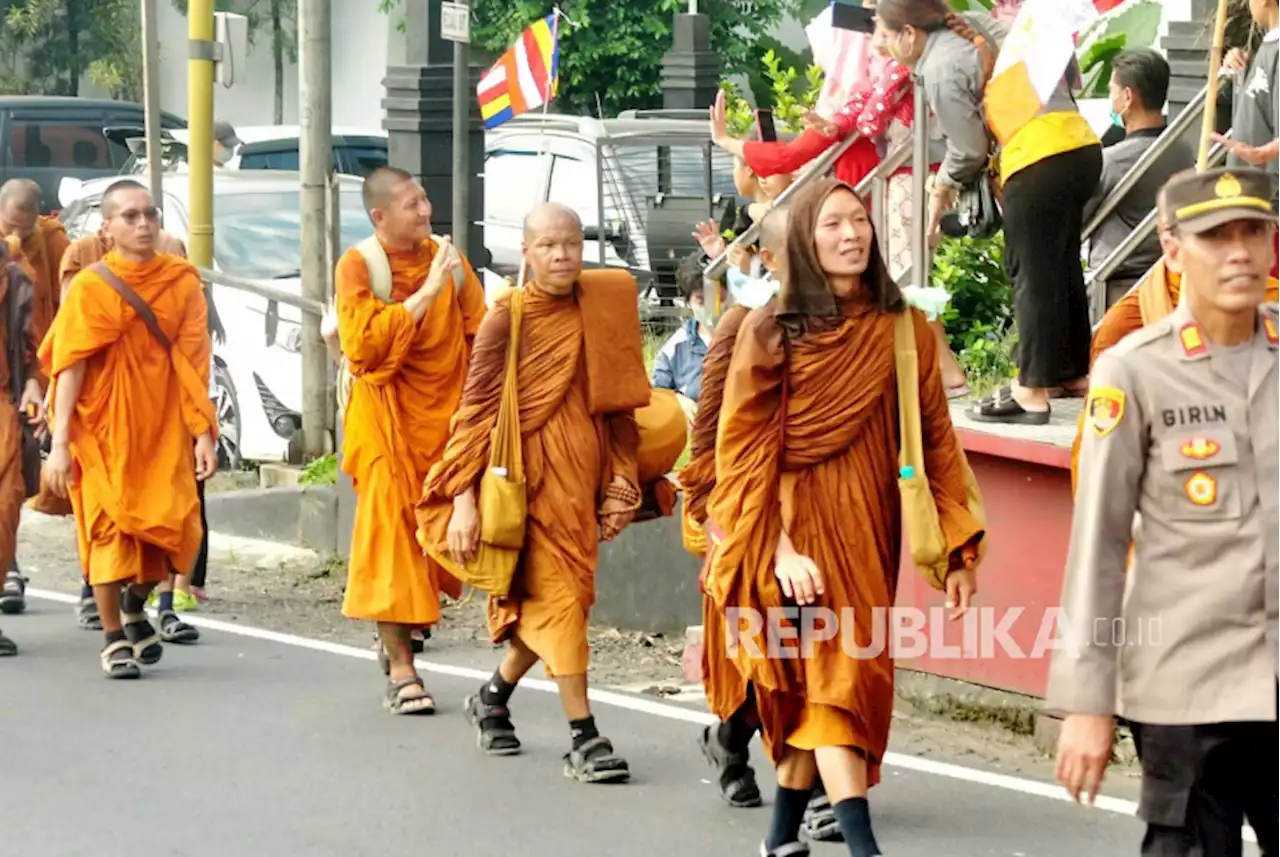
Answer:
(570, 456)
(408, 381)
(829, 476)
(139, 412)
(12, 484)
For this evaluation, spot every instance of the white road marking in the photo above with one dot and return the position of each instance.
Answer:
(645, 706)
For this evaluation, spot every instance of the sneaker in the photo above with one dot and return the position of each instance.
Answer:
(184, 602)
(13, 598)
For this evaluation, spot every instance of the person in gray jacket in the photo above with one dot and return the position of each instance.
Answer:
(1139, 88)
(1047, 170)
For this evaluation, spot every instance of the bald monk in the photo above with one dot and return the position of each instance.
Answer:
(22, 400)
(41, 241)
(85, 251)
(1154, 298)
(132, 420)
(807, 497)
(409, 359)
(581, 477)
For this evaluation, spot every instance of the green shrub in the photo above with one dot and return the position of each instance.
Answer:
(979, 316)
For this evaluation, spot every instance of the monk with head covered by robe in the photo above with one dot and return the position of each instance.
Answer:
(408, 359)
(129, 355)
(581, 477)
(38, 243)
(807, 498)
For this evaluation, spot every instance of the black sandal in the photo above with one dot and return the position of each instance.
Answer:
(495, 733)
(737, 778)
(595, 762)
(118, 660)
(820, 823)
(8, 648)
(147, 647)
(418, 702)
(87, 615)
(1003, 408)
(174, 630)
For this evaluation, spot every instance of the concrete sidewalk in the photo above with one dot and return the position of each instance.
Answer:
(254, 744)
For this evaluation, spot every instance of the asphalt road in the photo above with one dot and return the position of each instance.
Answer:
(250, 747)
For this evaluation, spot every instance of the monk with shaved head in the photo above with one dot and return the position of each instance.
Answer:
(37, 243)
(129, 357)
(579, 377)
(408, 307)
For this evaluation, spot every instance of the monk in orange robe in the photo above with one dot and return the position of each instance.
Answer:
(128, 355)
(409, 359)
(41, 241)
(581, 476)
(807, 497)
(22, 400)
(83, 252)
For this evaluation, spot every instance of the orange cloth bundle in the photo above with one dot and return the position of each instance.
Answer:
(616, 377)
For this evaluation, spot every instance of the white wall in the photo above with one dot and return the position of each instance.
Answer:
(359, 64)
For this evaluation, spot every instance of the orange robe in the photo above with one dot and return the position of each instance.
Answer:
(570, 456)
(139, 411)
(408, 382)
(45, 250)
(12, 485)
(1126, 316)
(827, 474)
(725, 686)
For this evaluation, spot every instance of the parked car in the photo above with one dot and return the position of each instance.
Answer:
(356, 151)
(49, 138)
(257, 236)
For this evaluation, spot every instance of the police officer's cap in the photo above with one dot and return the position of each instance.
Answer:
(1197, 202)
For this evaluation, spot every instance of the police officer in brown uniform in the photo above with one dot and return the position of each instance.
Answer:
(1179, 459)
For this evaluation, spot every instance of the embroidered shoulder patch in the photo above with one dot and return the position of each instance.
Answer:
(1105, 409)
(1192, 341)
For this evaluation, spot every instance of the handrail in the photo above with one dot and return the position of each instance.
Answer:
(1097, 282)
(270, 293)
(1185, 120)
(817, 168)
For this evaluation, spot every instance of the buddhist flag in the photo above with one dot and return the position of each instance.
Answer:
(525, 77)
(1033, 59)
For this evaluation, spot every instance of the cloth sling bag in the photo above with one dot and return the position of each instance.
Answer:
(503, 501)
(925, 538)
(380, 283)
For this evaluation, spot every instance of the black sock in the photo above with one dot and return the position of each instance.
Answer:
(86, 591)
(114, 636)
(165, 600)
(788, 815)
(497, 690)
(854, 816)
(583, 730)
(736, 733)
(132, 602)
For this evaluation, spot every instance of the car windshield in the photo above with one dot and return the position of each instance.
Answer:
(258, 236)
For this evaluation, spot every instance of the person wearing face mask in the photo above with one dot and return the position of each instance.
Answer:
(1139, 87)
(225, 142)
(678, 366)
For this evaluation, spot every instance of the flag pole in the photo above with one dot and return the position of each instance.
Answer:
(1211, 94)
(543, 155)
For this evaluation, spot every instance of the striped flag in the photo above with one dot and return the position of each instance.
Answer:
(1034, 58)
(525, 77)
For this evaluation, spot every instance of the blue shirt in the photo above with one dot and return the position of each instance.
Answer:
(678, 365)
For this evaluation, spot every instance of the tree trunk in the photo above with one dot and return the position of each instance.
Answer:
(73, 47)
(277, 54)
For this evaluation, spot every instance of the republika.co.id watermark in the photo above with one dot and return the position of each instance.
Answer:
(793, 633)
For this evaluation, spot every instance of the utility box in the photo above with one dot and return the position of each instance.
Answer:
(231, 37)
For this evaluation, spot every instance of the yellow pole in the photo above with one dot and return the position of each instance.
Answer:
(1211, 95)
(200, 132)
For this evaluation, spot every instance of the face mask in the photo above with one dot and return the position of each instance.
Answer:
(705, 316)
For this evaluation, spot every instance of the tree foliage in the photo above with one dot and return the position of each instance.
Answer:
(51, 45)
(611, 53)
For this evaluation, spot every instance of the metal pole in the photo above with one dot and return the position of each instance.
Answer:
(921, 255)
(151, 100)
(315, 96)
(461, 145)
(200, 132)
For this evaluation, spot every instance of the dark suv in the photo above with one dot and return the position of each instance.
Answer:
(48, 138)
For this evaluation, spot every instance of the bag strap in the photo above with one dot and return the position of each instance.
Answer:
(379, 267)
(509, 405)
(907, 367)
(134, 300)
(13, 311)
